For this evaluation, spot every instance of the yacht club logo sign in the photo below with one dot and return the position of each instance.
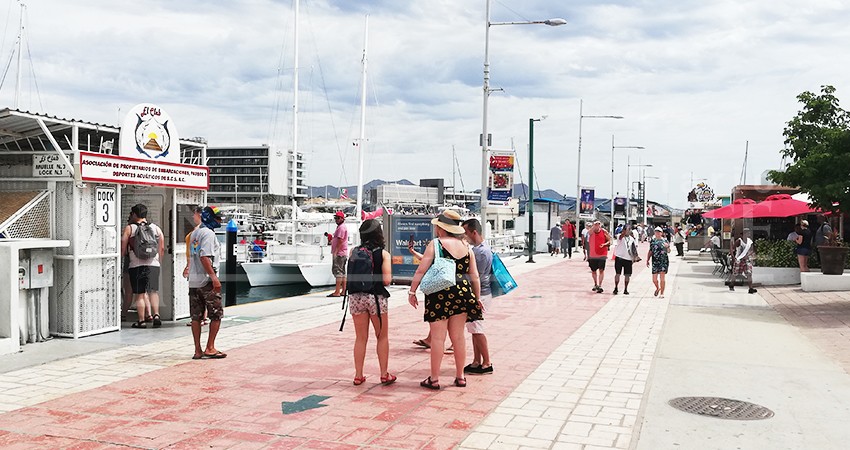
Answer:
(149, 133)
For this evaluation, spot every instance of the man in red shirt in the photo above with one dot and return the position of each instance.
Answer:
(569, 231)
(599, 241)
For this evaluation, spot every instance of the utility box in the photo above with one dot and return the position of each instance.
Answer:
(35, 268)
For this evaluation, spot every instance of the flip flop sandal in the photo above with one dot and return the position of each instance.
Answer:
(460, 382)
(360, 380)
(138, 325)
(197, 356)
(422, 343)
(216, 355)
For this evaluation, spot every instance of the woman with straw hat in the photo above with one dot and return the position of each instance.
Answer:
(448, 310)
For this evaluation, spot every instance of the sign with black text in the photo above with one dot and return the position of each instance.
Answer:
(105, 207)
(49, 165)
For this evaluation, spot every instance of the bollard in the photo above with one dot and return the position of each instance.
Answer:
(230, 264)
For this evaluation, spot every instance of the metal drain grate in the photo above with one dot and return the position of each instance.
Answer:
(722, 408)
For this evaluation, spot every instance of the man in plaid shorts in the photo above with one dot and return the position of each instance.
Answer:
(742, 262)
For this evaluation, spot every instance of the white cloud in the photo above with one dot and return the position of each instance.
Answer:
(694, 80)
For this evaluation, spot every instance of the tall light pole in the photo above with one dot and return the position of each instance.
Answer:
(636, 147)
(644, 194)
(581, 117)
(629, 166)
(485, 138)
(530, 207)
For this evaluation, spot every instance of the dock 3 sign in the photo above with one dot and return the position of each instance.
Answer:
(105, 208)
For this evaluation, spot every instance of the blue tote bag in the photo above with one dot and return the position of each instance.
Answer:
(501, 281)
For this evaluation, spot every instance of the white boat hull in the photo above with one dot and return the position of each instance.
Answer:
(317, 274)
(272, 273)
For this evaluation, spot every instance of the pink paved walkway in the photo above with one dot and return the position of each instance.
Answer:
(235, 403)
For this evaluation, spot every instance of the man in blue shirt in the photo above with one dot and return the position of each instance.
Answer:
(484, 261)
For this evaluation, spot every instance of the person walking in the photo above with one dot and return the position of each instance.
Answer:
(803, 240)
(144, 266)
(598, 243)
(584, 233)
(568, 241)
(555, 240)
(484, 263)
(659, 247)
(339, 250)
(679, 239)
(447, 310)
(625, 251)
(368, 298)
(204, 285)
(742, 264)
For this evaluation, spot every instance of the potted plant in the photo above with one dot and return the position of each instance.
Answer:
(775, 263)
(817, 142)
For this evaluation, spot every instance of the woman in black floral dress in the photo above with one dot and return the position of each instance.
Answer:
(448, 310)
(659, 247)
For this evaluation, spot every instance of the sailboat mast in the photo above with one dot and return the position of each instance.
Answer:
(20, 57)
(293, 162)
(361, 141)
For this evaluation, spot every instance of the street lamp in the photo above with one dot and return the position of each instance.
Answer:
(644, 193)
(530, 207)
(485, 139)
(629, 166)
(581, 117)
(637, 147)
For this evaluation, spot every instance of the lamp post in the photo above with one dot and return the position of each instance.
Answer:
(637, 147)
(485, 139)
(531, 188)
(644, 194)
(581, 117)
(629, 166)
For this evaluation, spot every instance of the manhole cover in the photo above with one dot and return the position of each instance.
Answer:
(722, 408)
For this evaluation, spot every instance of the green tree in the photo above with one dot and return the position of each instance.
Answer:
(817, 141)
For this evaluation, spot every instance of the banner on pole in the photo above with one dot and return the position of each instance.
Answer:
(587, 203)
(501, 179)
(620, 207)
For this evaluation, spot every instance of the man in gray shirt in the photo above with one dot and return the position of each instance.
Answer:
(204, 285)
(484, 261)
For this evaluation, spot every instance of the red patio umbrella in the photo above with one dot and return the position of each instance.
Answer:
(782, 205)
(742, 207)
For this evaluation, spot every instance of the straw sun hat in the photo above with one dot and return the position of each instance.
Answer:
(449, 221)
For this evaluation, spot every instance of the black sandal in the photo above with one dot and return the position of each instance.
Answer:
(157, 322)
(139, 324)
(460, 382)
(428, 383)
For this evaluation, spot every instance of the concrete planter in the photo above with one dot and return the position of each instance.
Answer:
(776, 276)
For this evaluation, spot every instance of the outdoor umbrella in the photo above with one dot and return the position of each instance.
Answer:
(742, 207)
(782, 205)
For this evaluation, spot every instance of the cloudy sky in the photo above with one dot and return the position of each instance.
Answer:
(694, 80)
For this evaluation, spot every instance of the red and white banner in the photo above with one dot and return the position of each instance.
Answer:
(105, 168)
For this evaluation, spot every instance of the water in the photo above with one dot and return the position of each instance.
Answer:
(247, 294)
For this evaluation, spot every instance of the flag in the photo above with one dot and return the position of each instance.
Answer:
(343, 194)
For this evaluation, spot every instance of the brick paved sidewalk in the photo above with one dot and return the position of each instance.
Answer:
(236, 402)
(823, 317)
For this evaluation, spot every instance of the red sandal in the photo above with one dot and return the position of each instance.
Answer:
(389, 379)
(359, 380)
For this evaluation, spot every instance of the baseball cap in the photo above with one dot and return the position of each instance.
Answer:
(339, 214)
(213, 211)
(658, 229)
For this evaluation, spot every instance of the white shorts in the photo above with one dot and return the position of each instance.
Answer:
(477, 327)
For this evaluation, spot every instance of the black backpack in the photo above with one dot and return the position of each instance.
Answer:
(360, 273)
(145, 242)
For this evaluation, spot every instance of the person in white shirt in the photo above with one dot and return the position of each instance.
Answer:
(625, 251)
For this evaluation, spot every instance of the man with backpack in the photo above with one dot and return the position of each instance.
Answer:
(143, 242)
(484, 261)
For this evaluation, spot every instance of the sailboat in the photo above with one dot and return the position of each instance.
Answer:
(298, 250)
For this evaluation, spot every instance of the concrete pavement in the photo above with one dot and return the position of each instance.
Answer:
(573, 370)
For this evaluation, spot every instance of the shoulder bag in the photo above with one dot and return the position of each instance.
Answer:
(441, 274)
(501, 281)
